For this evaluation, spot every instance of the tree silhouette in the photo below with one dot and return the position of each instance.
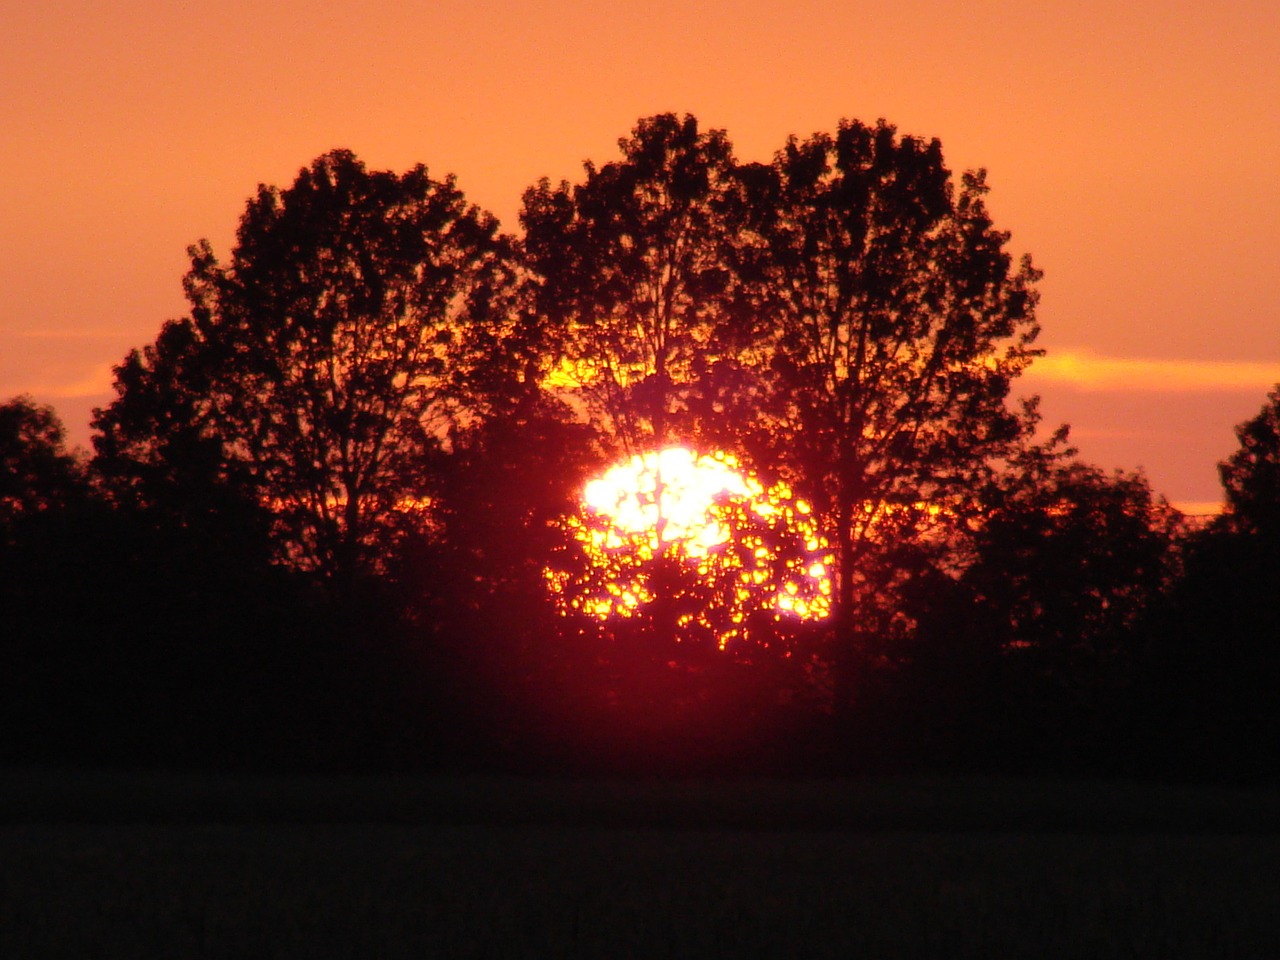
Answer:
(382, 389)
(634, 277)
(37, 474)
(320, 366)
(1251, 475)
(1069, 563)
(44, 493)
(161, 453)
(1068, 558)
(895, 324)
(1213, 662)
(846, 320)
(634, 270)
(728, 565)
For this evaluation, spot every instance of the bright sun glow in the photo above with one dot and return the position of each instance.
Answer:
(738, 557)
(670, 495)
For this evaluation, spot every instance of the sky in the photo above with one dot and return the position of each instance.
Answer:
(1132, 149)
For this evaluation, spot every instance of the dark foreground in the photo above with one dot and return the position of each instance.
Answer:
(119, 866)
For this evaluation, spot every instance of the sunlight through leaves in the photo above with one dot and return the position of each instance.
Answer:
(698, 546)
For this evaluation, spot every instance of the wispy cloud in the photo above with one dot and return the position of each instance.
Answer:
(92, 383)
(1198, 508)
(1089, 371)
(64, 333)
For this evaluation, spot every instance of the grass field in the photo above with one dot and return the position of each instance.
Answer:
(156, 866)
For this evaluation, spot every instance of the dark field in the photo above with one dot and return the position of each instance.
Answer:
(119, 866)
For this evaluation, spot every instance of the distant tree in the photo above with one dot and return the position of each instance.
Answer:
(1213, 662)
(37, 473)
(1068, 559)
(895, 322)
(127, 636)
(1025, 648)
(1251, 475)
(360, 317)
(43, 493)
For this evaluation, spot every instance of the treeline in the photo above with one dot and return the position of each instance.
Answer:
(332, 517)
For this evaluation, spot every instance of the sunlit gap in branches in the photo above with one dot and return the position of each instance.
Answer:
(735, 558)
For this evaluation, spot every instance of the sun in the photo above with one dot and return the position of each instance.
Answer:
(668, 497)
(697, 546)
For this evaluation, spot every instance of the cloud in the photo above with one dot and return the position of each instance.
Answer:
(1198, 508)
(1089, 371)
(64, 333)
(95, 382)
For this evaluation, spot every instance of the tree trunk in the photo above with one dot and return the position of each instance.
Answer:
(845, 647)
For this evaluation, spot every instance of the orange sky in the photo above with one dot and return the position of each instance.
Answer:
(1132, 150)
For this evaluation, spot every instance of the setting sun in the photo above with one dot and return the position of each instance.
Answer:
(729, 557)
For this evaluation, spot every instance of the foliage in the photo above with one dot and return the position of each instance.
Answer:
(1212, 663)
(1067, 558)
(1066, 565)
(129, 637)
(37, 474)
(379, 388)
(701, 558)
(1251, 475)
(845, 319)
(323, 364)
(473, 587)
(896, 323)
(633, 270)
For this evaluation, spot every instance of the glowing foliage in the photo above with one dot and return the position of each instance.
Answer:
(703, 551)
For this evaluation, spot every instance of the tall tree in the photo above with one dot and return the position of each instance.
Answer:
(634, 271)
(896, 322)
(318, 367)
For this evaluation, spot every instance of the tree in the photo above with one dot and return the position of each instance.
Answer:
(1067, 558)
(638, 279)
(1251, 475)
(1070, 563)
(1214, 663)
(634, 275)
(845, 320)
(162, 456)
(359, 318)
(37, 474)
(634, 272)
(895, 323)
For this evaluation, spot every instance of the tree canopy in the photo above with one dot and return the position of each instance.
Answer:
(633, 270)
(1251, 475)
(378, 388)
(846, 319)
(896, 322)
(37, 473)
(360, 317)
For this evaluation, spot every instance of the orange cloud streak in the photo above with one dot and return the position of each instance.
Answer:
(1086, 370)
